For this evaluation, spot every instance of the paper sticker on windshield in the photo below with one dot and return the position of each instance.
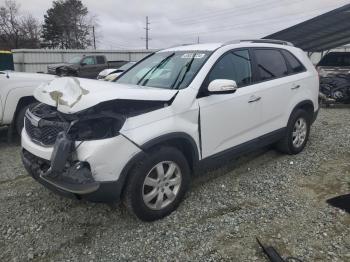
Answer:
(199, 56)
(190, 55)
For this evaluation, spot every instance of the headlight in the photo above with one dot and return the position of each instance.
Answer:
(94, 128)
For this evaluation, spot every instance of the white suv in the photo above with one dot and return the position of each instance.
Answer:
(141, 137)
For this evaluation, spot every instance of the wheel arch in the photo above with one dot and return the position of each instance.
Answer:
(182, 141)
(306, 105)
(22, 102)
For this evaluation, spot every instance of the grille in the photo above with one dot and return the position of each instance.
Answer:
(45, 135)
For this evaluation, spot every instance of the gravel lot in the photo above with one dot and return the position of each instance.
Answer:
(278, 198)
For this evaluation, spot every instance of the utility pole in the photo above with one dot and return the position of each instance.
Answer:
(147, 29)
(197, 39)
(93, 34)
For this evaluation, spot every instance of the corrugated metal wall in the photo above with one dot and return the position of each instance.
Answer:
(36, 60)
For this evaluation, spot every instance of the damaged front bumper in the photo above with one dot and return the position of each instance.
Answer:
(62, 183)
(90, 171)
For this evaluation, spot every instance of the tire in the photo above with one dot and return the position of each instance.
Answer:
(19, 122)
(288, 144)
(143, 190)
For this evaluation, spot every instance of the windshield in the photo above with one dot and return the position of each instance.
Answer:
(169, 70)
(335, 59)
(75, 60)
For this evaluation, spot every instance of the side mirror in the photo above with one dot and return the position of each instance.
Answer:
(82, 64)
(222, 86)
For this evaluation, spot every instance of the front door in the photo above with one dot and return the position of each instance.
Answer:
(228, 120)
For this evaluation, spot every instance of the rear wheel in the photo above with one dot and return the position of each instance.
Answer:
(157, 184)
(297, 133)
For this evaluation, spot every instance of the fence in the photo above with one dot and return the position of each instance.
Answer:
(37, 60)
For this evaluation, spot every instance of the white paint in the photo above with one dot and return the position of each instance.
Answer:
(105, 164)
(227, 120)
(13, 87)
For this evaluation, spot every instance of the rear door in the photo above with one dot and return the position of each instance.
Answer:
(278, 86)
(228, 120)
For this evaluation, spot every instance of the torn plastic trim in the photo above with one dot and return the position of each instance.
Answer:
(77, 178)
(72, 188)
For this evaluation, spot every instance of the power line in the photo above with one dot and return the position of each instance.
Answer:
(236, 13)
(254, 22)
(221, 13)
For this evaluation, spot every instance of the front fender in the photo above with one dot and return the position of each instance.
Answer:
(12, 99)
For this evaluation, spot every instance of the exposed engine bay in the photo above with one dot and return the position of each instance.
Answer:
(43, 122)
(335, 88)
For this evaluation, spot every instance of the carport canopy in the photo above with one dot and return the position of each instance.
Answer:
(324, 32)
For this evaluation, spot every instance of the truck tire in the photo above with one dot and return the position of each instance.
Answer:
(157, 184)
(297, 133)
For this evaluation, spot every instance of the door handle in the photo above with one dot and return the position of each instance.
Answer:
(253, 99)
(295, 87)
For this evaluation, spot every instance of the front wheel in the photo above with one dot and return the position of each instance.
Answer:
(297, 133)
(157, 184)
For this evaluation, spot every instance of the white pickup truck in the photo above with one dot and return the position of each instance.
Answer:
(16, 95)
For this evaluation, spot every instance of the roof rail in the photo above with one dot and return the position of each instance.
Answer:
(231, 42)
(266, 41)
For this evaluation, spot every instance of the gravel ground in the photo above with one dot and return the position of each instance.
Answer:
(278, 198)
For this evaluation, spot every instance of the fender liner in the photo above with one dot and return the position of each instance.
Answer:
(306, 103)
(173, 136)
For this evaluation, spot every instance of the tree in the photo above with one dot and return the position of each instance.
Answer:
(17, 30)
(67, 24)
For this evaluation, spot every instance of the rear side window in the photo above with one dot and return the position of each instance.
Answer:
(100, 59)
(335, 59)
(235, 66)
(270, 63)
(295, 64)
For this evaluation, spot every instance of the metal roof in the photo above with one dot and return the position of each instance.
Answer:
(320, 33)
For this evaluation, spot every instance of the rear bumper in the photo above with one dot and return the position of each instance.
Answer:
(106, 191)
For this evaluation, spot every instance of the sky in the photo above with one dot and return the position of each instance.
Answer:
(173, 22)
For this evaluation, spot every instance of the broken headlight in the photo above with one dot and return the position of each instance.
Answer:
(95, 127)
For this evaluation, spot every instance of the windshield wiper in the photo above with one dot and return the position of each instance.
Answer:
(153, 69)
(187, 67)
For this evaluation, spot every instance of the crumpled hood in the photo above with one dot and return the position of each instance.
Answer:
(71, 94)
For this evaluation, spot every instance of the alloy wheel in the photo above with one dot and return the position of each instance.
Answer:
(299, 132)
(161, 185)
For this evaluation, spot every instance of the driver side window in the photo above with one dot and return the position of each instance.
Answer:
(235, 66)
